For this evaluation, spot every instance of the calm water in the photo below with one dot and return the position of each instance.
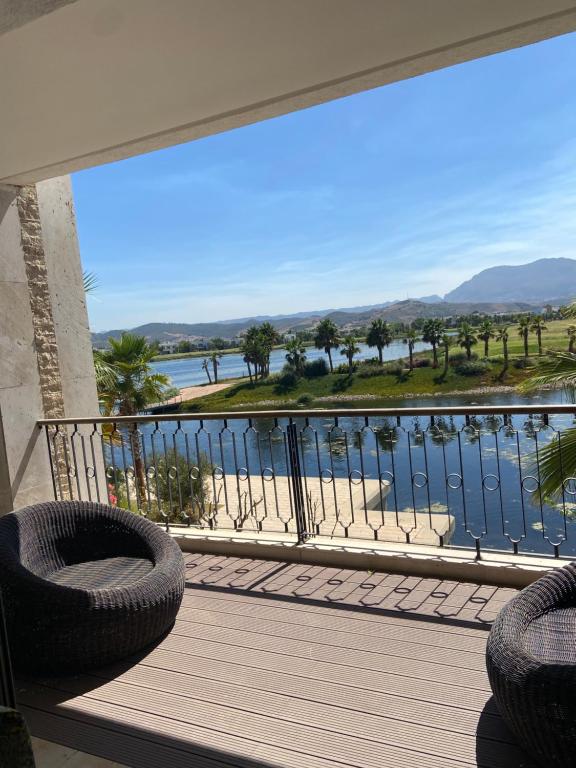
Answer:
(187, 371)
(489, 464)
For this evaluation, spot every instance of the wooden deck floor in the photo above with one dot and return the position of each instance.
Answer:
(278, 664)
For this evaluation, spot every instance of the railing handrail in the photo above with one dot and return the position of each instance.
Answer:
(458, 410)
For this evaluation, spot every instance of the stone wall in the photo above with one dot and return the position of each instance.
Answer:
(45, 352)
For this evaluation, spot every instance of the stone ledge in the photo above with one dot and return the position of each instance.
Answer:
(493, 568)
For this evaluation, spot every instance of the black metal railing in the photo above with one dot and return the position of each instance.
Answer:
(460, 476)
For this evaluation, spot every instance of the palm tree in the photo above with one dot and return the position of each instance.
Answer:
(502, 335)
(215, 360)
(466, 338)
(379, 336)
(446, 343)
(206, 367)
(486, 332)
(327, 337)
(251, 349)
(524, 326)
(538, 327)
(432, 332)
(571, 331)
(296, 355)
(133, 386)
(410, 338)
(349, 348)
(269, 336)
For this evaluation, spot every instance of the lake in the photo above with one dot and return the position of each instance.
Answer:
(188, 372)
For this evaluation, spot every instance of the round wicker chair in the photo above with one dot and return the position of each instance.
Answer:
(531, 660)
(85, 584)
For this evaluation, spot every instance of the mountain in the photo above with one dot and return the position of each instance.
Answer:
(399, 311)
(409, 310)
(536, 282)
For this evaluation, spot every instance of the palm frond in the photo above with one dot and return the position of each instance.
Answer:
(89, 281)
(558, 372)
(105, 372)
(556, 466)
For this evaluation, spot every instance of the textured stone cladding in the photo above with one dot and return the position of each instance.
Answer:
(40, 302)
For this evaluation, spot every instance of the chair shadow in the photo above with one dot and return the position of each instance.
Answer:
(496, 745)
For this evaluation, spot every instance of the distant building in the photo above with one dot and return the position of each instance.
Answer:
(168, 347)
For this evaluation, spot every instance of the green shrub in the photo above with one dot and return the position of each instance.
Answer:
(313, 369)
(522, 362)
(344, 368)
(305, 399)
(472, 367)
(460, 357)
(287, 379)
(496, 359)
(173, 489)
(422, 362)
(368, 371)
(394, 369)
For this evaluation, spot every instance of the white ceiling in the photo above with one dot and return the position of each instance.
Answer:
(99, 80)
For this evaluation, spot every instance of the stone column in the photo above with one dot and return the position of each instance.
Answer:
(45, 352)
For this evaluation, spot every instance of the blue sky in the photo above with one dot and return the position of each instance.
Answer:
(402, 191)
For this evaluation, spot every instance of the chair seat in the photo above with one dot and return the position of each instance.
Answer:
(85, 585)
(551, 638)
(103, 574)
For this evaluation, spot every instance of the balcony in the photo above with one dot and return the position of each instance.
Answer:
(343, 571)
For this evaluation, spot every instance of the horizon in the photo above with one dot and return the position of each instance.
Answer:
(402, 191)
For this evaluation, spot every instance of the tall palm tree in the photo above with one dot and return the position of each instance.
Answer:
(524, 326)
(206, 367)
(485, 333)
(379, 336)
(502, 335)
(432, 332)
(349, 348)
(410, 338)
(251, 349)
(327, 337)
(269, 336)
(571, 332)
(446, 343)
(133, 386)
(296, 355)
(466, 338)
(538, 327)
(215, 358)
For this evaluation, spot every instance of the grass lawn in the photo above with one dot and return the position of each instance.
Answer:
(553, 338)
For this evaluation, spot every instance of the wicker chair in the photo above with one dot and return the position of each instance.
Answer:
(531, 660)
(85, 584)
